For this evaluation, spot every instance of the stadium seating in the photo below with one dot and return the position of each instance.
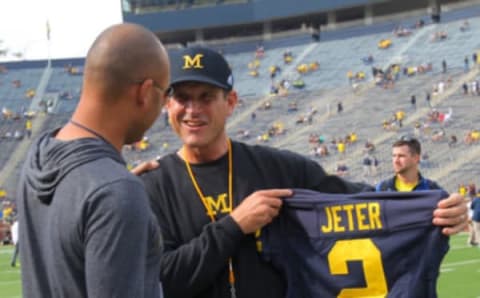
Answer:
(17, 88)
(365, 104)
(67, 86)
(14, 98)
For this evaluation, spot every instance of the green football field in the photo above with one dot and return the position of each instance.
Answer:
(459, 278)
(9, 277)
(460, 270)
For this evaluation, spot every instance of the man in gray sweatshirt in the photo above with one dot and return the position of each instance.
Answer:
(86, 227)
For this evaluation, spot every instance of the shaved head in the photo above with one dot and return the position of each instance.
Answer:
(120, 55)
(125, 83)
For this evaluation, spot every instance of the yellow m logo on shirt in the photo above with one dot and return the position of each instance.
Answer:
(218, 205)
(195, 62)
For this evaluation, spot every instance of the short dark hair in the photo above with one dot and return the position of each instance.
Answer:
(412, 143)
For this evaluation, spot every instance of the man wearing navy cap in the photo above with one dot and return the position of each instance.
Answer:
(213, 194)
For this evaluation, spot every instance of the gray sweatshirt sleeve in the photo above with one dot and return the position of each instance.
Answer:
(116, 240)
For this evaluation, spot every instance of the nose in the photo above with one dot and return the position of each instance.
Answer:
(193, 105)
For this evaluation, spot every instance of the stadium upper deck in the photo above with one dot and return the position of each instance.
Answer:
(193, 20)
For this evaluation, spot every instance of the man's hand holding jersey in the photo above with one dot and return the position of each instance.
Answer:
(452, 214)
(259, 209)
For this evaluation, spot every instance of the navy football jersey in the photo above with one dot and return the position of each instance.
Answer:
(375, 244)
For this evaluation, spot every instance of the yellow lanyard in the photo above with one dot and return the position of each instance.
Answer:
(231, 275)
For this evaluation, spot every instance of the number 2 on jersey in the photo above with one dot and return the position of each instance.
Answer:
(359, 250)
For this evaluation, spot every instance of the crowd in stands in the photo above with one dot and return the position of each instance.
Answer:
(431, 127)
(472, 137)
(385, 43)
(439, 36)
(16, 124)
(401, 31)
(139, 146)
(8, 212)
(73, 70)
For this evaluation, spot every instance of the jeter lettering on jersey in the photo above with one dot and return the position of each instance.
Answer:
(352, 217)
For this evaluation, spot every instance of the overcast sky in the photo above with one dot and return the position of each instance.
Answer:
(74, 24)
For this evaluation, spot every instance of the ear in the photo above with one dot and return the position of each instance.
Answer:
(417, 158)
(232, 100)
(143, 93)
(169, 103)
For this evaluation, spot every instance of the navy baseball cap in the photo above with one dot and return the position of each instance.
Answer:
(199, 64)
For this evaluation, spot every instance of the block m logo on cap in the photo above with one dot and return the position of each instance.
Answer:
(195, 62)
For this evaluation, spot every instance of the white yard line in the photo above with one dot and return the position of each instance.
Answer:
(456, 264)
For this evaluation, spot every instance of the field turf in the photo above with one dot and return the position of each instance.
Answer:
(459, 277)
